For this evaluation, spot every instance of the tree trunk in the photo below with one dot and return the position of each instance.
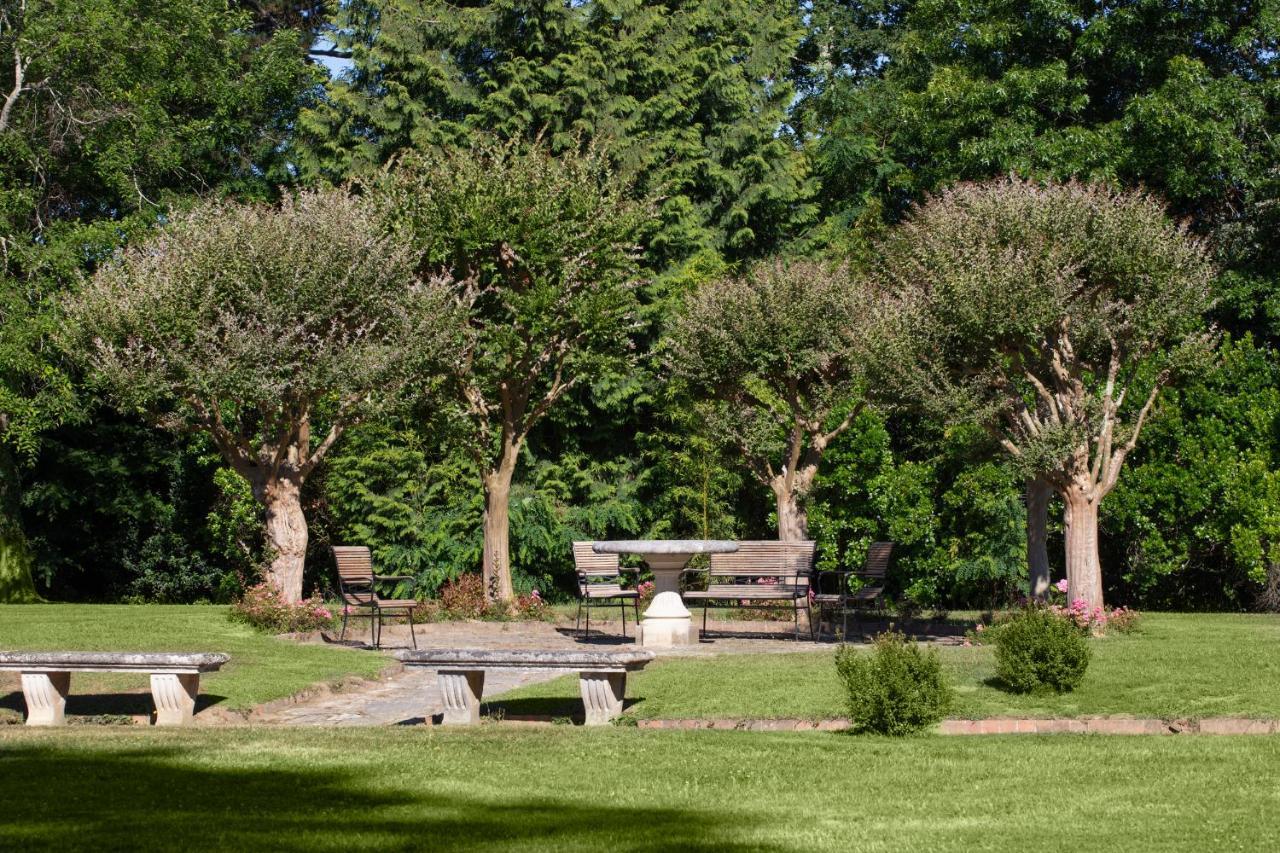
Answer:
(286, 530)
(16, 585)
(793, 521)
(497, 526)
(1038, 495)
(1084, 569)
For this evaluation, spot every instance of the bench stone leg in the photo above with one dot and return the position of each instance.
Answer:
(461, 690)
(602, 694)
(46, 696)
(175, 697)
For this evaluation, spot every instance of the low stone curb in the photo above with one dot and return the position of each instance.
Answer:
(1003, 726)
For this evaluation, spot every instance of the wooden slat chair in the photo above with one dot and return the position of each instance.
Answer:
(833, 591)
(357, 584)
(600, 585)
(740, 579)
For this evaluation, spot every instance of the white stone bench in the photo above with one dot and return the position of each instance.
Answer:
(46, 679)
(602, 676)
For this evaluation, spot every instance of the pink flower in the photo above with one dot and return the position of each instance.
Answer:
(1062, 586)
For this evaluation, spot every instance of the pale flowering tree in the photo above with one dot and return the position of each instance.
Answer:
(540, 256)
(782, 354)
(1053, 315)
(271, 329)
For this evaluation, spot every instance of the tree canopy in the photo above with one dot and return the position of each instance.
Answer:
(271, 330)
(1052, 315)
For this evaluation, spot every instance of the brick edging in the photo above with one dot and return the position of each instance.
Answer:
(1003, 726)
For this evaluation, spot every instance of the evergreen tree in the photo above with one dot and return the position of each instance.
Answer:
(687, 98)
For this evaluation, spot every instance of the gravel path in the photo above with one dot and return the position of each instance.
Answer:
(412, 696)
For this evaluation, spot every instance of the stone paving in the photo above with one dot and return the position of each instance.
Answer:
(411, 696)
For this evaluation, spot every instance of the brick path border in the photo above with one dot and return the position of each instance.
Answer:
(1005, 726)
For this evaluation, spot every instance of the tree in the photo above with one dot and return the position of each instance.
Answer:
(686, 97)
(540, 254)
(784, 350)
(263, 327)
(1053, 315)
(35, 394)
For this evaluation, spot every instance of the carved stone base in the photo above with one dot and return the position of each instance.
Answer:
(602, 694)
(46, 696)
(461, 691)
(175, 698)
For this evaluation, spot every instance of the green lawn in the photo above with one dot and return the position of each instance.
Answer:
(1178, 665)
(261, 667)
(614, 789)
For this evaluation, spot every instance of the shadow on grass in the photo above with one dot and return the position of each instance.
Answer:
(541, 708)
(159, 798)
(108, 704)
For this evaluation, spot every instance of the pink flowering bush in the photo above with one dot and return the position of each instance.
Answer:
(646, 590)
(463, 598)
(264, 608)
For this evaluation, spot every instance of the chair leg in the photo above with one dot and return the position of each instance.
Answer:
(345, 615)
(375, 628)
(586, 634)
(577, 620)
(412, 635)
(622, 605)
(704, 621)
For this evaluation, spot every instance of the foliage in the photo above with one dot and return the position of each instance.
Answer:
(464, 598)
(263, 607)
(257, 325)
(539, 254)
(1197, 521)
(1051, 316)
(783, 351)
(1041, 649)
(685, 99)
(896, 689)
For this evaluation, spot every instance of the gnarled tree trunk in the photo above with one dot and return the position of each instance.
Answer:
(497, 525)
(286, 531)
(793, 520)
(1080, 523)
(1038, 494)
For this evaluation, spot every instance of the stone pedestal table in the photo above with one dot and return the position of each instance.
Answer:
(667, 621)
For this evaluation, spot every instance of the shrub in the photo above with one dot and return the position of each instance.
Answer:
(263, 608)
(463, 598)
(1040, 648)
(896, 689)
(1123, 620)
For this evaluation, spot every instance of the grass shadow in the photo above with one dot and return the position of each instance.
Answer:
(131, 703)
(541, 708)
(166, 798)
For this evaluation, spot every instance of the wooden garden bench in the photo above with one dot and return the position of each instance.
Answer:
(602, 676)
(758, 574)
(46, 679)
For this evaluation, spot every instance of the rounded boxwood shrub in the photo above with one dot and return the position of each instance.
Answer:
(896, 689)
(1039, 649)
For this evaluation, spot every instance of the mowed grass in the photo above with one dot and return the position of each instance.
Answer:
(1177, 666)
(261, 667)
(560, 788)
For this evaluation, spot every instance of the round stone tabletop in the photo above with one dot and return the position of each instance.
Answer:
(665, 546)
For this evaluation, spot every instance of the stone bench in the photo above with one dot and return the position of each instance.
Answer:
(602, 676)
(46, 679)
